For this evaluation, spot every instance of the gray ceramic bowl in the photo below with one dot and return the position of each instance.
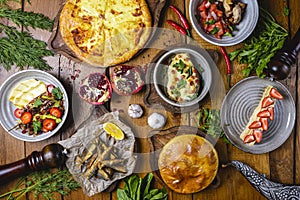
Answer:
(198, 57)
(7, 118)
(245, 27)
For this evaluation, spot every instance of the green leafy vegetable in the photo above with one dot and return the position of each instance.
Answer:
(181, 84)
(258, 50)
(286, 11)
(37, 126)
(57, 93)
(210, 22)
(179, 66)
(44, 183)
(136, 188)
(37, 103)
(20, 48)
(210, 123)
(214, 31)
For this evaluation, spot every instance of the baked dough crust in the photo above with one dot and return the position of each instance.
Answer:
(188, 163)
(105, 32)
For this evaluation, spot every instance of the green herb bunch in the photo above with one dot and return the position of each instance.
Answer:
(19, 47)
(210, 123)
(261, 46)
(136, 188)
(43, 183)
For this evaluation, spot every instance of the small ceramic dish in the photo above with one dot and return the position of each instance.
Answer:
(7, 118)
(244, 28)
(198, 57)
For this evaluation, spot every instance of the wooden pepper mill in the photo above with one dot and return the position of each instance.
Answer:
(51, 156)
(280, 65)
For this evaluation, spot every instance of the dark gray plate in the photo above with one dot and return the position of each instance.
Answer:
(7, 118)
(238, 106)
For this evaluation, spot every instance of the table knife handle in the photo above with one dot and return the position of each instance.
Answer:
(51, 156)
(280, 65)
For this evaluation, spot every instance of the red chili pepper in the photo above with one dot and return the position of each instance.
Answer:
(227, 61)
(182, 18)
(177, 27)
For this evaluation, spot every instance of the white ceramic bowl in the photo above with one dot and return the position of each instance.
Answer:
(7, 118)
(245, 27)
(198, 57)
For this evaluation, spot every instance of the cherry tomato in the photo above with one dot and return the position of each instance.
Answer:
(55, 112)
(18, 112)
(49, 124)
(26, 117)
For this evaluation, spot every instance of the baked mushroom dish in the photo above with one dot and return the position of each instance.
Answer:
(188, 163)
(105, 33)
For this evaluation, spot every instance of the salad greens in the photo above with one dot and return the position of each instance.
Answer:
(210, 123)
(258, 50)
(136, 188)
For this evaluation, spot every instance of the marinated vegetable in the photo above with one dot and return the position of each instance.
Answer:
(220, 18)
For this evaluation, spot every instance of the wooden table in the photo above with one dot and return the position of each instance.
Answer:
(281, 165)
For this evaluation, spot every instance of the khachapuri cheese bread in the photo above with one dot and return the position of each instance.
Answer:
(183, 79)
(264, 112)
(188, 163)
(105, 32)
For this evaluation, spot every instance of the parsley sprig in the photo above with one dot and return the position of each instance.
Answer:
(210, 123)
(258, 50)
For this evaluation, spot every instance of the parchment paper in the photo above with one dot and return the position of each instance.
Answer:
(85, 136)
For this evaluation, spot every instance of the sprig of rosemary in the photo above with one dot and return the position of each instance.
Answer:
(43, 183)
(20, 48)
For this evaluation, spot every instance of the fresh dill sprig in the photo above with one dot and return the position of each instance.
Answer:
(19, 47)
(43, 183)
(27, 19)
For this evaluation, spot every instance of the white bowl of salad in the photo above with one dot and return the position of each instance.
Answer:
(34, 105)
(224, 22)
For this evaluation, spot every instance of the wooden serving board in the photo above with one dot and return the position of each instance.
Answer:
(151, 97)
(57, 44)
(159, 138)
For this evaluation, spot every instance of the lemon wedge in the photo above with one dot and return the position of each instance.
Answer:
(113, 130)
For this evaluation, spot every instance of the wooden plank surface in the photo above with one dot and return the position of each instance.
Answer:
(281, 165)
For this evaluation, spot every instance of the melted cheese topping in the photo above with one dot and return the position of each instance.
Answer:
(105, 32)
(183, 79)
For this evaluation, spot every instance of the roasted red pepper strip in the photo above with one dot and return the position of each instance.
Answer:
(177, 27)
(182, 18)
(227, 65)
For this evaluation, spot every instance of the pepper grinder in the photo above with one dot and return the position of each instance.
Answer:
(51, 156)
(280, 65)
